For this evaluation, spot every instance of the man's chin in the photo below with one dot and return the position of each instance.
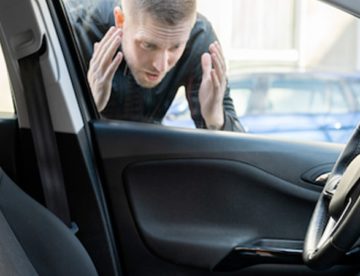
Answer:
(148, 85)
(143, 82)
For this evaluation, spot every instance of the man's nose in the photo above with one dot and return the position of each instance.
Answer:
(161, 61)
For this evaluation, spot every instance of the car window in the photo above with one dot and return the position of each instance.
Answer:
(355, 88)
(240, 93)
(312, 97)
(338, 102)
(6, 103)
(308, 94)
(241, 97)
(312, 47)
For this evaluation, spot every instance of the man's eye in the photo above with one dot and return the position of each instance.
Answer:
(174, 48)
(148, 46)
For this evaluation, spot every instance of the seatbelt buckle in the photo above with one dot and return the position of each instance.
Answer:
(74, 228)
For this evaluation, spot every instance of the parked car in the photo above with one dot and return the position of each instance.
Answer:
(309, 106)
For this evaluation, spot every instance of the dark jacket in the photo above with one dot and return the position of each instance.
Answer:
(128, 100)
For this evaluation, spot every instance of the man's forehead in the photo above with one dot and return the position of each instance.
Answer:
(151, 28)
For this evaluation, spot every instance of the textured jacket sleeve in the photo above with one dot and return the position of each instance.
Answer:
(232, 122)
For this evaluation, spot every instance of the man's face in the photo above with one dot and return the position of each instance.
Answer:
(151, 49)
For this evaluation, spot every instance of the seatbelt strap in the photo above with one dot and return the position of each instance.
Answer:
(43, 135)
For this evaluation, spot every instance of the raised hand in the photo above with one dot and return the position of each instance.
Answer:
(213, 85)
(103, 64)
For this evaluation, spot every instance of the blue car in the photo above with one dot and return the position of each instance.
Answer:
(307, 106)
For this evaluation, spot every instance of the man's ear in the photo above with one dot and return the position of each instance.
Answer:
(119, 17)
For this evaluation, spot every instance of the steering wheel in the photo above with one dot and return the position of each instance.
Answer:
(335, 223)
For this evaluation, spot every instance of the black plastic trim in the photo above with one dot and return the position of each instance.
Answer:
(263, 251)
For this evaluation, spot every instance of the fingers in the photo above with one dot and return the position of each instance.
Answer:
(214, 69)
(107, 47)
(103, 56)
(103, 65)
(218, 59)
(218, 69)
(110, 49)
(213, 86)
(206, 65)
(110, 72)
(216, 48)
(100, 45)
(215, 80)
(218, 74)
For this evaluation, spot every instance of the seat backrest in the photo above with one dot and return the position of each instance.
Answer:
(33, 241)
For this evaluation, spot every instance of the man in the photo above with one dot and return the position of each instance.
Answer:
(138, 65)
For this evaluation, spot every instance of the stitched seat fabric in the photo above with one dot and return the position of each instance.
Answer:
(33, 241)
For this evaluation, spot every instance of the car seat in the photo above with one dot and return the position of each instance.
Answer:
(33, 241)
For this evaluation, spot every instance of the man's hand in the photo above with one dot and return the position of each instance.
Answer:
(212, 88)
(103, 65)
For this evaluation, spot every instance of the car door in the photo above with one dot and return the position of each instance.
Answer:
(194, 202)
(191, 201)
(168, 201)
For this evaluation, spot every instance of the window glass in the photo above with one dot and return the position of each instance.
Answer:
(310, 46)
(261, 29)
(338, 102)
(311, 97)
(6, 103)
(240, 92)
(296, 96)
(355, 88)
(240, 97)
(179, 113)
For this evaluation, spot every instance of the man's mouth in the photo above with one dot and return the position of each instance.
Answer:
(152, 76)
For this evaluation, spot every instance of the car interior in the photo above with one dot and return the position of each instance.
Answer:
(80, 195)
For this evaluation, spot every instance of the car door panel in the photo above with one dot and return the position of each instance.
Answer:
(195, 211)
(189, 197)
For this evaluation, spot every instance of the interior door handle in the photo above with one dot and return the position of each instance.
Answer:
(318, 175)
(263, 251)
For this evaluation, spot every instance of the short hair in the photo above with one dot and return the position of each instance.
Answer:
(171, 12)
